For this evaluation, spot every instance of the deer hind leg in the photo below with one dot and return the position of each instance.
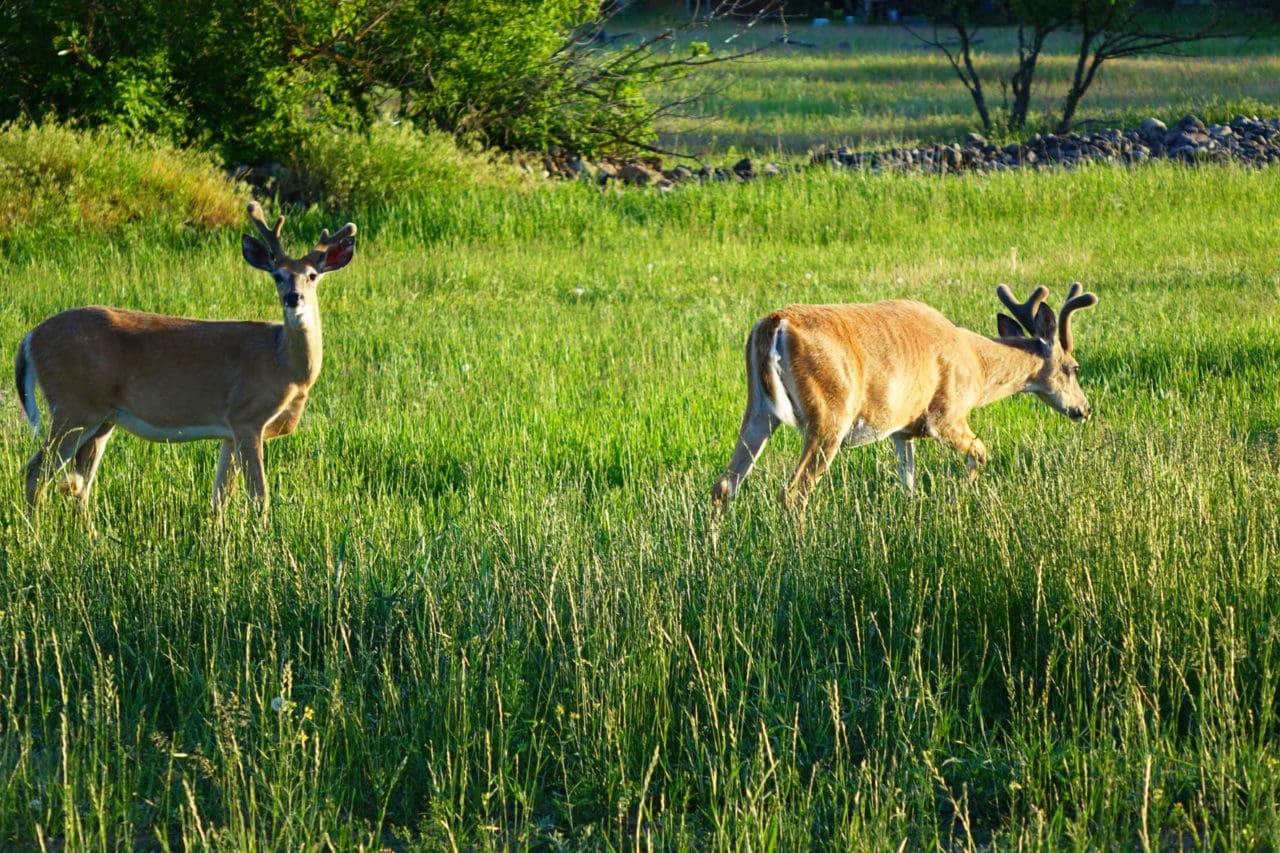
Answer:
(63, 446)
(35, 478)
(60, 446)
(78, 483)
(818, 451)
(87, 460)
(758, 424)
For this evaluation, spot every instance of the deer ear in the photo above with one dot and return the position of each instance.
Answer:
(339, 255)
(256, 253)
(1008, 327)
(1046, 325)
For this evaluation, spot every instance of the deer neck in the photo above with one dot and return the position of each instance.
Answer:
(301, 349)
(1009, 366)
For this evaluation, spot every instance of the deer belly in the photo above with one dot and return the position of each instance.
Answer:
(864, 433)
(182, 432)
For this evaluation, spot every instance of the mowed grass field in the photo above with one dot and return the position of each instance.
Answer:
(485, 612)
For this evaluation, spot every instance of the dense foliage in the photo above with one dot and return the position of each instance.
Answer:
(254, 79)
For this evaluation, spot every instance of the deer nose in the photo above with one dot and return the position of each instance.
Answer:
(292, 299)
(1079, 413)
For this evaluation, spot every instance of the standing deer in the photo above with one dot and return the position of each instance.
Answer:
(176, 379)
(855, 374)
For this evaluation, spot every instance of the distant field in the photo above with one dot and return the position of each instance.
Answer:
(485, 613)
(867, 86)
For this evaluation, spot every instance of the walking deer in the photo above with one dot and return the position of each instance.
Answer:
(856, 374)
(176, 379)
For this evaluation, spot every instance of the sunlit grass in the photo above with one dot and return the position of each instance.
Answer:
(870, 86)
(485, 613)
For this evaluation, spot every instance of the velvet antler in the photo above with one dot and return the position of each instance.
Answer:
(1076, 299)
(271, 235)
(1024, 313)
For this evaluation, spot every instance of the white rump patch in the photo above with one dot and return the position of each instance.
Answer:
(780, 405)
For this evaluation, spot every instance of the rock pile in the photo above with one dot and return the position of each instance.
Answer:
(1246, 139)
(649, 171)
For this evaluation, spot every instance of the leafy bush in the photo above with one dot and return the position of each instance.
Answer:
(359, 170)
(254, 80)
(510, 75)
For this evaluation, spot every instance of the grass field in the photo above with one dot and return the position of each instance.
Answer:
(484, 612)
(869, 86)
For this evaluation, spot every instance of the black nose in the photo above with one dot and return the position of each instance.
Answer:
(292, 300)
(1078, 413)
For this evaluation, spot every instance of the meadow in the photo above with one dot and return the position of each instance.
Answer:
(868, 86)
(485, 611)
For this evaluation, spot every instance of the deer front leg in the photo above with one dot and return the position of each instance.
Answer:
(962, 438)
(287, 421)
(224, 481)
(976, 457)
(906, 450)
(249, 456)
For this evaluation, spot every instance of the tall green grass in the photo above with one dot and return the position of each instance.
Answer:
(484, 612)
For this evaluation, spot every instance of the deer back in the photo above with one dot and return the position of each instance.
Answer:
(884, 363)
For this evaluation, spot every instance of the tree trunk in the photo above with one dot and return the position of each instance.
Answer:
(1020, 81)
(975, 82)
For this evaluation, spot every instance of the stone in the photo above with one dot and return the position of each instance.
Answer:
(1190, 123)
(635, 174)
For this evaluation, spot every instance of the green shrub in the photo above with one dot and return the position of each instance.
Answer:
(358, 170)
(255, 80)
(100, 182)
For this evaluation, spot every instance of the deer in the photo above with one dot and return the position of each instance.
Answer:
(176, 379)
(856, 374)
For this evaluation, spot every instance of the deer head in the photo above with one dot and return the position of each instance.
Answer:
(1056, 384)
(296, 278)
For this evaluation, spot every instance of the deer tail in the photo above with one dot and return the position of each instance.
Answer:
(766, 361)
(24, 378)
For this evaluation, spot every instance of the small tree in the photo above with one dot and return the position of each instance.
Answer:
(960, 17)
(1111, 29)
(1037, 20)
(1108, 29)
(527, 75)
